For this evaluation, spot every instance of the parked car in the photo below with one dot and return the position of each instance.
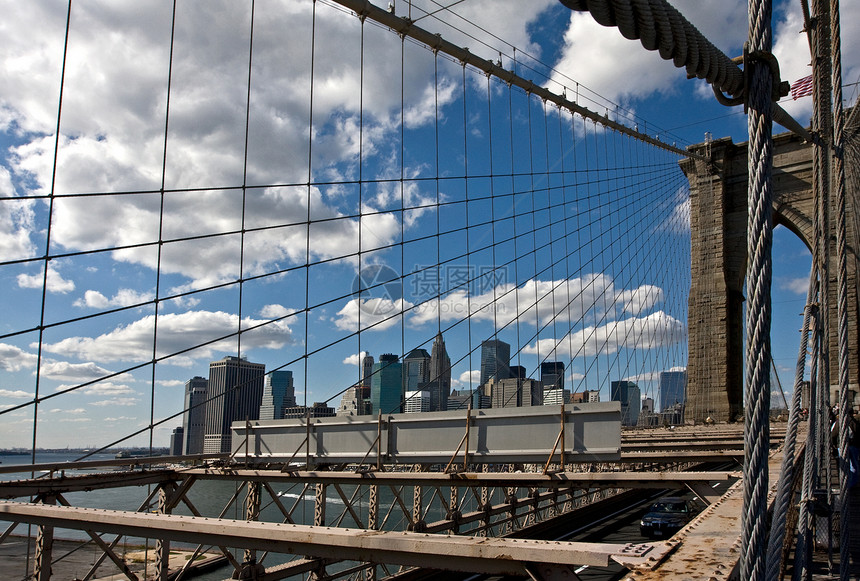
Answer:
(667, 516)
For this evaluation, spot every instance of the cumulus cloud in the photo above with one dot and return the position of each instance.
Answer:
(176, 332)
(117, 401)
(540, 302)
(55, 282)
(15, 393)
(102, 388)
(14, 358)
(652, 331)
(124, 297)
(798, 285)
(16, 221)
(78, 372)
(375, 314)
(355, 358)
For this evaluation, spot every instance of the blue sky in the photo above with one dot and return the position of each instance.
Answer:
(112, 146)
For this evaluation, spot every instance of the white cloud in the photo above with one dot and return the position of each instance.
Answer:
(16, 221)
(798, 285)
(17, 393)
(471, 377)
(375, 314)
(102, 388)
(540, 302)
(117, 401)
(176, 332)
(653, 331)
(355, 358)
(275, 311)
(14, 358)
(77, 372)
(124, 297)
(55, 282)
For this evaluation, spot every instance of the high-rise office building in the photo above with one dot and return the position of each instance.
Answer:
(552, 374)
(628, 394)
(235, 394)
(504, 393)
(194, 417)
(416, 369)
(495, 360)
(439, 384)
(386, 385)
(278, 394)
(366, 370)
(518, 371)
(556, 396)
(673, 389)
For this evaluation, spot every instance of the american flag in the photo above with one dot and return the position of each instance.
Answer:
(801, 87)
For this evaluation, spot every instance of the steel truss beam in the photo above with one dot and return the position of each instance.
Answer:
(454, 553)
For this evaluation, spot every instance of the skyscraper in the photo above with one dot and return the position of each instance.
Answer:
(416, 369)
(366, 370)
(439, 384)
(628, 394)
(194, 417)
(495, 360)
(552, 375)
(235, 394)
(278, 394)
(386, 385)
(673, 389)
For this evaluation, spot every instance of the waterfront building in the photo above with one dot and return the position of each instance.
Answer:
(673, 389)
(278, 394)
(626, 392)
(386, 385)
(495, 360)
(235, 394)
(416, 402)
(194, 416)
(176, 441)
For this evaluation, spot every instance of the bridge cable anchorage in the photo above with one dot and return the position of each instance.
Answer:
(660, 26)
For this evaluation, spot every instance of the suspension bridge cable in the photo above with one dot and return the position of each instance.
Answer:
(758, 356)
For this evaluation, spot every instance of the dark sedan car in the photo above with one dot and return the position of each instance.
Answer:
(667, 516)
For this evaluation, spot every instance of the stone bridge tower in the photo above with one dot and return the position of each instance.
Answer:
(718, 225)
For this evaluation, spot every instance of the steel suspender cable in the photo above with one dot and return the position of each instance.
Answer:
(759, 242)
(838, 183)
(785, 490)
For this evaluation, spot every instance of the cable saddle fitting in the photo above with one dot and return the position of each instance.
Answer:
(779, 88)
